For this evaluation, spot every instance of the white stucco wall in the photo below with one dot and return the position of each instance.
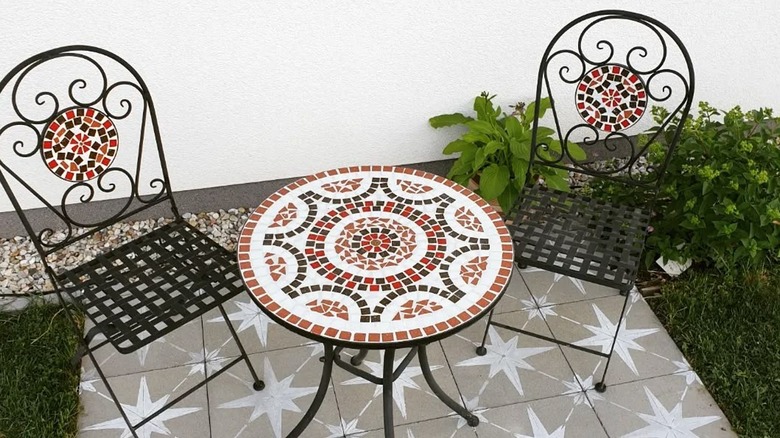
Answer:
(257, 90)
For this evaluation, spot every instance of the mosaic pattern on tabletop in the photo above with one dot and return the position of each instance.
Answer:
(375, 254)
(79, 144)
(611, 97)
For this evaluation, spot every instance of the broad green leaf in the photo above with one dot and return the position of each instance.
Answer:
(519, 169)
(448, 120)
(463, 164)
(479, 159)
(507, 198)
(554, 146)
(475, 137)
(484, 107)
(462, 179)
(542, 132)
(492, 147)
(513, 127)
(557, 182)
(493, 180)
(520, 149)
(481, 126)
(458, 146)
(544, 105)
(576, 152)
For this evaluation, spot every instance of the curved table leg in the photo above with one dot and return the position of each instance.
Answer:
(471, 419)
(321, 392)
(387, 392)
(358, 358)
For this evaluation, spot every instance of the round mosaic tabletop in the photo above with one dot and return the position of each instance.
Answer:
(375, 256)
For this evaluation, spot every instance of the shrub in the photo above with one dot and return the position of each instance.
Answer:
(496, 149)
(719, 202)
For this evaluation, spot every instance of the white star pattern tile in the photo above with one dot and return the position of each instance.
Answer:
(523, 386)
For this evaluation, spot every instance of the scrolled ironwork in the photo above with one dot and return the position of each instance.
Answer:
(99, 81)
(655, 82)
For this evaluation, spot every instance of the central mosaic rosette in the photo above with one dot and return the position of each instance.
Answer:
(375, 243)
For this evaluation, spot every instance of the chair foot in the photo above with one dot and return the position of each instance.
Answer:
(601, 387)
(259, 385)
(473, 421)
(623, 293)
(481, 350)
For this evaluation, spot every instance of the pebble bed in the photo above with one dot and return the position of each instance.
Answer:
(21, 270)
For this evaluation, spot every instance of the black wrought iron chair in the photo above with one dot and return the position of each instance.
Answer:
(77, 120)
(613, 82)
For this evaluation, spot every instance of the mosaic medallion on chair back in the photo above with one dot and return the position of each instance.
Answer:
(79, 144)
(611, 98)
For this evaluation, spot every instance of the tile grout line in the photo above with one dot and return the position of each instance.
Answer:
(452, 373)
(591, 404)
(205, 374)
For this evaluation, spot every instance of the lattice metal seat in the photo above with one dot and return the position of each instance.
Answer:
(140, 291)
(598, 241)
(148, 287)
(614, 82)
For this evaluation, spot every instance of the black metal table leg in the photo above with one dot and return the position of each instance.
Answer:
(358, 358)
(387, 392)
(471, 419)
(321, 392)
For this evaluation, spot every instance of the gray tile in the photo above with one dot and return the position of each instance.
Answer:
(569, 416)
(516, 367)
(674, 405)
(556, 288)
(180, 347)
(516, 296)
(292, 377)
(142, 394)
(413, 399)
(643, 349)
(450, 427)
(256, 331)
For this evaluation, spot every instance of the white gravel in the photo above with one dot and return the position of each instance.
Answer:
(21, 270)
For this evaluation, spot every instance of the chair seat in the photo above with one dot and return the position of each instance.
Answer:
(585, 238)
(146, 288)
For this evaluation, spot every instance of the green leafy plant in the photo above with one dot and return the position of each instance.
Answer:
(720, 198)
(495, 150)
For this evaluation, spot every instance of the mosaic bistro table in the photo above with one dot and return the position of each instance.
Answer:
(375, 257)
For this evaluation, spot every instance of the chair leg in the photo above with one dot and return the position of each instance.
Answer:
(601, 386)
(481, 350)
(259, 385)
(111, 391)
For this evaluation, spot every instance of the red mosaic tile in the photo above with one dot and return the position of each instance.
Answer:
(611, 98)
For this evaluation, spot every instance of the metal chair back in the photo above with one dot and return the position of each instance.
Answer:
(79, 125)
(615, 65)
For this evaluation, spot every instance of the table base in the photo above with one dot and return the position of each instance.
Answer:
(389, 375)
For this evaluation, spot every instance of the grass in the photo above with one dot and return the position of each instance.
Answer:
(728, 327)
(38, 387)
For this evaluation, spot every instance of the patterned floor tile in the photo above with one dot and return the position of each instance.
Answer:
(643, 349)
(182, 346)
(557, 417)
(256, 330)
(669, 406)
(291, 377)
(447, 427)
(550, 288)
(141, 394)
(516, 297)
(414, 401)
(516, 367)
